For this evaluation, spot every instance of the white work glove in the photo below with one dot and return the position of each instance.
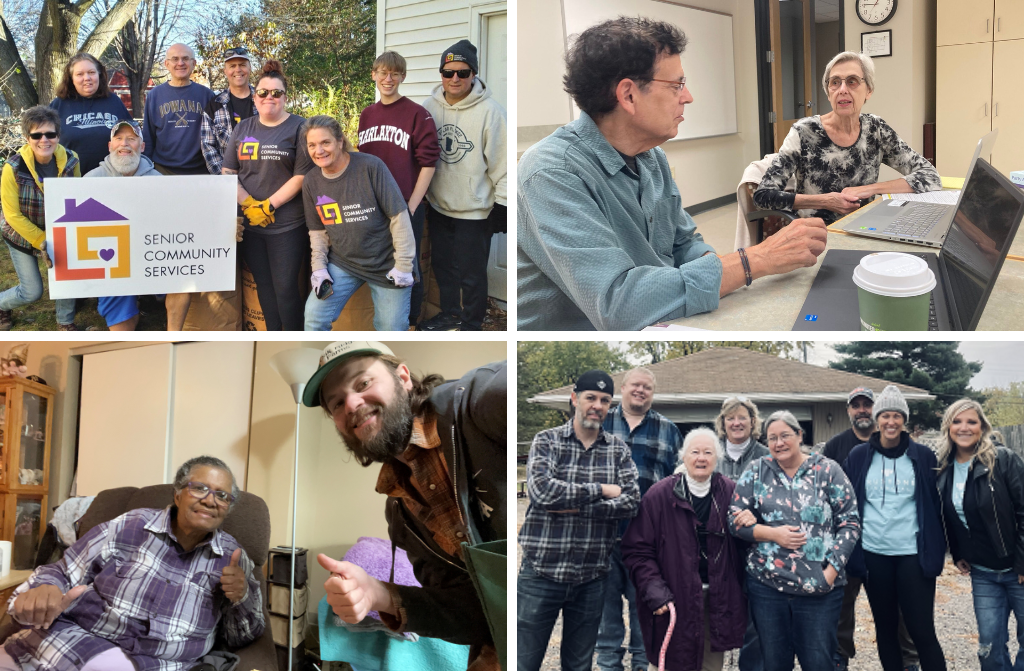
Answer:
(399, 278)
(318, 277)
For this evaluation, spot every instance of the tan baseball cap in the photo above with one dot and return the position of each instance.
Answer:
(333, 355)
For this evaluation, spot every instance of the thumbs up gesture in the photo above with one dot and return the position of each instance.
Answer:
(232, 579)
(351, 592)
(40, 606)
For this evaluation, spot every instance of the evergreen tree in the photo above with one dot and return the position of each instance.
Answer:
(934, 366)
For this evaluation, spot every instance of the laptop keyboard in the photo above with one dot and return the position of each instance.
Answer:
(916, 222)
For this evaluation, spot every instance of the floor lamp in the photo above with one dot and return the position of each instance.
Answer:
(296, 366)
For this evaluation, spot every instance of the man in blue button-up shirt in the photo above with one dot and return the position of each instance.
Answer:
(603, 241)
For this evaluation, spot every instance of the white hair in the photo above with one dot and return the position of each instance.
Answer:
(694, 433)
(867, 66)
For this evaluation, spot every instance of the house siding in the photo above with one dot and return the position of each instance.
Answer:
(822, 429)
(420, 31)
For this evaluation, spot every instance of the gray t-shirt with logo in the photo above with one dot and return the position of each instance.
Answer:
(355, 209)
(266, 157)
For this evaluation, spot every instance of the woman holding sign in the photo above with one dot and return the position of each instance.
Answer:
(375, 245)
(270, 159)
(22, 223)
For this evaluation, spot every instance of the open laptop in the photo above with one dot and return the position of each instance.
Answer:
(980, 234)
(914, 221)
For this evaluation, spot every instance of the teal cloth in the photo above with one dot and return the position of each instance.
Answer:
(890, 510)
(376, 651)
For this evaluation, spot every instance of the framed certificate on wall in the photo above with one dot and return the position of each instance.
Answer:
(876, 44)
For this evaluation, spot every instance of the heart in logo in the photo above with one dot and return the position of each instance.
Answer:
(106, 254)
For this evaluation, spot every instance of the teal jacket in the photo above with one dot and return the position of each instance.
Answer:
(601, 247)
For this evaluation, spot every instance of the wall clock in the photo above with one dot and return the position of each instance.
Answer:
(875, 12)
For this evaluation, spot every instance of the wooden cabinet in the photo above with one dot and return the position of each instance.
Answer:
(964, 21)
(1008, 105)
(26, 419)
(980, 44)
(964, 91)
(1009, 22)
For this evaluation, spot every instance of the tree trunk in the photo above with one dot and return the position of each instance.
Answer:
(17, 87)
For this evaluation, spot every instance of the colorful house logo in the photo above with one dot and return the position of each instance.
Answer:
(100, 250)
(248, 149)
(329, 211)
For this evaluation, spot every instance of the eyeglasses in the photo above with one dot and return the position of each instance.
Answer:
(852, 82)
(273, 93)
(464, 73)
(49, 135)
(180, 59)
(201, 491)
(398, 75)
(782, 438)
(678, 85)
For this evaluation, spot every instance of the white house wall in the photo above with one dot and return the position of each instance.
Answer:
(420, 31)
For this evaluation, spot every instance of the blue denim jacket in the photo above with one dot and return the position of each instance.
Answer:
(600, 247)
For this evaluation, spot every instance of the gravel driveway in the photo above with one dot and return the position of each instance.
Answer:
(954, 619)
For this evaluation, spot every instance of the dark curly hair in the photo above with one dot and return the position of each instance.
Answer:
(623, 48)
(274, 70)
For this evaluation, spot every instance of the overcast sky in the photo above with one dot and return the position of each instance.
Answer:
(1002, 362)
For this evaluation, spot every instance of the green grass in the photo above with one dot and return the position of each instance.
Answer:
(42, 315)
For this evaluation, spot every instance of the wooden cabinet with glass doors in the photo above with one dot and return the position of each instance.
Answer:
(26, 419)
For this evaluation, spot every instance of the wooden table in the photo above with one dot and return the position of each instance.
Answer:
(773, 303)
(10, 582)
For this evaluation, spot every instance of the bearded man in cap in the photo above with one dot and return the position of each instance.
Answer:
(581, 479)
(443, 454)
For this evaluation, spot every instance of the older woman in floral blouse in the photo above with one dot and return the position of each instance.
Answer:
(836, 156)
(801, 512)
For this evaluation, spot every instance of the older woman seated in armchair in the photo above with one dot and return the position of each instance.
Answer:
(836, 156)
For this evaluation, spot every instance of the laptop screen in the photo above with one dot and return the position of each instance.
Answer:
(990, 209)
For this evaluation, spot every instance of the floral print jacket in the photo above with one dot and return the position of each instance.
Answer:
(820, 500)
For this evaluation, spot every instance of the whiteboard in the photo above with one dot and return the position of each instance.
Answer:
(708, 59)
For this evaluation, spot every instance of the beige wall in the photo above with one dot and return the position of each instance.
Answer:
(704, 168)
(905, 82)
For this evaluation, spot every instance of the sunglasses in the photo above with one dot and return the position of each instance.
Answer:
(273, 93)
(49, 135)
(462, 74)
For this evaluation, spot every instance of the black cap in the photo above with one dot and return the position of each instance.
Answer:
(462, 51)
(595, 380)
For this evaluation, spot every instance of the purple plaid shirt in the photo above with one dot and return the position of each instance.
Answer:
(160, 605)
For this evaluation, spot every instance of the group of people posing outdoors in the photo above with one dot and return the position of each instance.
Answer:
(741, 537)
(448, 152)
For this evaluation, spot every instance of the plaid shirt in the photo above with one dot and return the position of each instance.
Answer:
(215, 131)
(425, 487)
(562, 475)
(654, 444)
(160, 605)
(26, 211)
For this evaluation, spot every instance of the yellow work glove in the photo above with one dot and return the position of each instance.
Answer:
(260, 213)
(248, 202)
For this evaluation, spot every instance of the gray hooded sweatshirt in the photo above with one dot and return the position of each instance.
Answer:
(471, 175)
(104, 169)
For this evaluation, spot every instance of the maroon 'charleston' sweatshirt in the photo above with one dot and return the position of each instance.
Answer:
(402, 135)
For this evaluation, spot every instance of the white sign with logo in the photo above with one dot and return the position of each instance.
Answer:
(126, 236)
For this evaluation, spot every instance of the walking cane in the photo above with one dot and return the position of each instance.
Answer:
(668, 635)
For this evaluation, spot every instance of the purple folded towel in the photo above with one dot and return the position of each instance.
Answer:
(373, 555)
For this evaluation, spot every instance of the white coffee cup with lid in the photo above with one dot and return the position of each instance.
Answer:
(893, 291)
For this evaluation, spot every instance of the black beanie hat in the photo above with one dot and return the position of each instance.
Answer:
(462, 51)
(595, 380)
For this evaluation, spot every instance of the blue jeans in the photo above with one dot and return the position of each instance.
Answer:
(609, 637)
(750, 654)
(539, 601)
(995, 595)
(788, 625)
(390, 304)
(30, 287)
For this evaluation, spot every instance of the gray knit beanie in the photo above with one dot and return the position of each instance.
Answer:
(891, 399)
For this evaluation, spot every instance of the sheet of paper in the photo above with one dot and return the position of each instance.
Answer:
(944, 197)
(671, 327)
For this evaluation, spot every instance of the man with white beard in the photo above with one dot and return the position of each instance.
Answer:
(125, 160)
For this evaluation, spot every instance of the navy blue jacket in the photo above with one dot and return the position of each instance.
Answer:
(931, 541)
